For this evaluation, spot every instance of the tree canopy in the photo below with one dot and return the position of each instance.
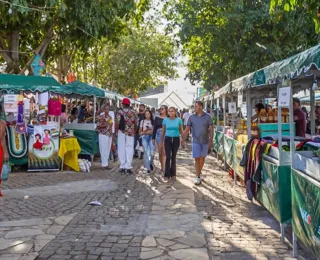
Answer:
(221, 37)
(311, 6)
(30, 27)
(142, 58)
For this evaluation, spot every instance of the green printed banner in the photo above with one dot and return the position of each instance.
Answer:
(306, 210)
(230, 151)
(275, 190)
(220, 141)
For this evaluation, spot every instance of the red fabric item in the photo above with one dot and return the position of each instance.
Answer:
(126, 101)
(54, 107)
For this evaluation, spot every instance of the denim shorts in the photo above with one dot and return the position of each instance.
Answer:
(158, 135)
(199, 150)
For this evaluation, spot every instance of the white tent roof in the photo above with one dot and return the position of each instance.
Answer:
(170, 99)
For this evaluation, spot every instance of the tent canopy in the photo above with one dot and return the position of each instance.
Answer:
(14, 83)
(81, 88)
(306, 62)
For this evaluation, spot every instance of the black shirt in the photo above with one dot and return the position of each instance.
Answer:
(157, 125)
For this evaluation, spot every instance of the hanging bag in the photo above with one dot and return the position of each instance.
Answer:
(6, 170)
(54, 107)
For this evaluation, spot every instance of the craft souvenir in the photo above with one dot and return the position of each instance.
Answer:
(21, 126)
(46, 138)
(54, 133)
(37, 144)
(54, 107)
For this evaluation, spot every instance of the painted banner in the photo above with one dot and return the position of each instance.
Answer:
(306, 210)
(44, 148)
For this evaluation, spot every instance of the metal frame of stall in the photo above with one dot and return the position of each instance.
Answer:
(249, 96)
(309, 81)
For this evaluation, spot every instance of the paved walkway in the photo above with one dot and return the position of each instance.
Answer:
(47, 216)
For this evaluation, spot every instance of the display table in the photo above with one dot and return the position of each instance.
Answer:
(69, 151)
(87, 137)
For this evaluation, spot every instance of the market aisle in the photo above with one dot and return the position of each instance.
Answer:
(46, 215)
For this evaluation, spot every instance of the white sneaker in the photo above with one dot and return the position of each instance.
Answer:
(197, 181)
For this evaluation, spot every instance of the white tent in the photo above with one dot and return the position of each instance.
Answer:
(170, 99)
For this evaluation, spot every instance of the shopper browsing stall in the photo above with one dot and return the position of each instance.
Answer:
(299, 118)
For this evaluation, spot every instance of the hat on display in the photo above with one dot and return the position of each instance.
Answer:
(126, 101)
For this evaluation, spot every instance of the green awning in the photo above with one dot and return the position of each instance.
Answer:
(11, 83)
(80, 88)
(289, 68)
(224, 90)
(110, 95)
(242, 82)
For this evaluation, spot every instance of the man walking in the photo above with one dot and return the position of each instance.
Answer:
(126, 124)
(201, 126)
(141, 117)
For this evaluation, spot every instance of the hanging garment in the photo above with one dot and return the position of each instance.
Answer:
(251, 161)
(54, 107)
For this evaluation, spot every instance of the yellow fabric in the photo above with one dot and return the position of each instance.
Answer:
(69, 150)
(266, 151)
(253, 151)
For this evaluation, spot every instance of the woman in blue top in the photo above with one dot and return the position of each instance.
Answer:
(172, 127)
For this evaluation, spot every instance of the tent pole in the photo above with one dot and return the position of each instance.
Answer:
(224, 126)
(279, 129)
(94, 109)
(312, 118)
(218, 119)
(249, 112)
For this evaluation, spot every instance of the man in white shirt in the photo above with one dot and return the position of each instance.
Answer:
(185, 119)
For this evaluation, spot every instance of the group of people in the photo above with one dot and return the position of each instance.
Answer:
(148, 129)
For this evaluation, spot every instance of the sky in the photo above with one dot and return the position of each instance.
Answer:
(180, 85)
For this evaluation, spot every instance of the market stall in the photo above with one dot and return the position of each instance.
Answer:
(85, 131)
(271, 184)
(36, 143)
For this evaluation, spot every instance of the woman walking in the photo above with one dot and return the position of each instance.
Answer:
(145, 132)
(157, 134)
(4, 156)
(104, 126)
(171, 130)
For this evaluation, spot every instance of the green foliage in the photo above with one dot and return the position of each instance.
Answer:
(75, 23)
(142, 58)
(219, 36)
(311, 6)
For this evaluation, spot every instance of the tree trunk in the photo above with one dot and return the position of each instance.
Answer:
(14, 49)
(41, 48)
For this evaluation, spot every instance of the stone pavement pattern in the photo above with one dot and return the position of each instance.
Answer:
(47, 216)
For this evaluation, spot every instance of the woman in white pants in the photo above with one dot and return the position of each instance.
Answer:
(105, 124)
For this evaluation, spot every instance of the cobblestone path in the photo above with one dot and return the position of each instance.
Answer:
(47, 216)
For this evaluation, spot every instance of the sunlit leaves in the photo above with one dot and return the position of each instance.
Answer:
(219, 36)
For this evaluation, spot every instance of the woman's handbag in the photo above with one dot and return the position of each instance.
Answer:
(6, 170)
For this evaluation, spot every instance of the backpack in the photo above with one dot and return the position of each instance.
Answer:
(122, 123)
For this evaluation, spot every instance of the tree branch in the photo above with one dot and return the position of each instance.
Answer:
(44, 44)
